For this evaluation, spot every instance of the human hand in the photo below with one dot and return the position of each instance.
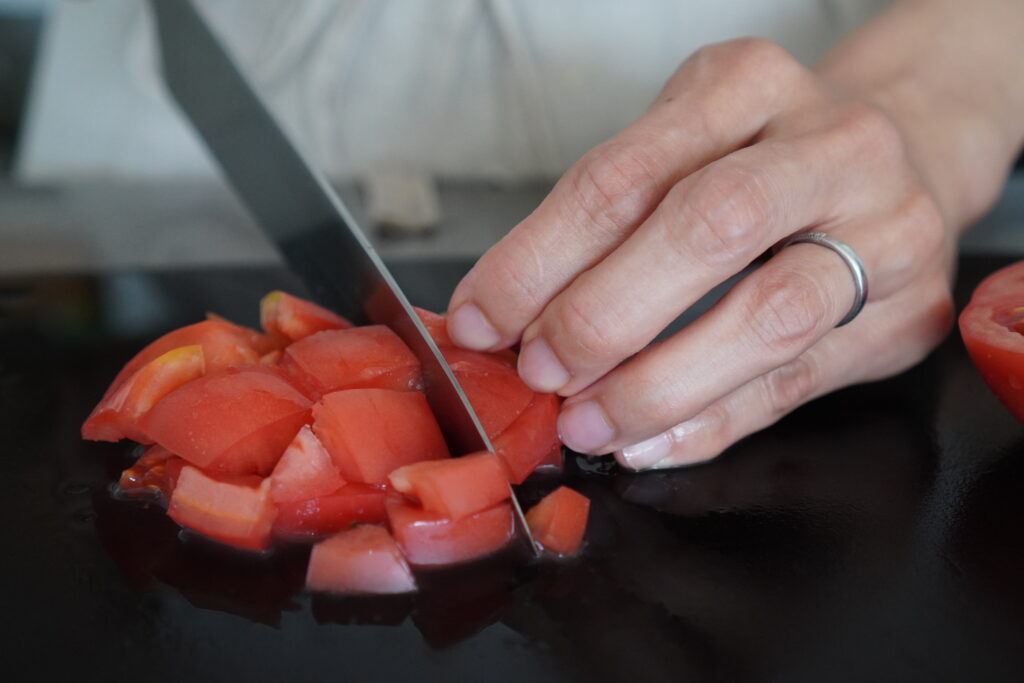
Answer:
(743, 148)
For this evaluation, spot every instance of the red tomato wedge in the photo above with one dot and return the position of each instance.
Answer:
(237, 514)
(238, 421)
(437, 326)
(558, 521)
(356, 358)
(304, 471)
(116, 416)
(492, 386)
(532, 440)
(361, 560)
(263, 343)
(992, 328)
(351, 504)
(295, 318)
(155, 473)
(372, 432)
(430, 539)
(224, 344)
(455, 487)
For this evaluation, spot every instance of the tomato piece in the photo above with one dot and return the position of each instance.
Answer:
(154, 474)
(455, 487)
(263, 343)
(992, 332)
(356, 358)
(372, 432)
(116, 416)
(236, 514)
(532, 440)
(437, 326)
(238, 421)
(295, 318)
(304, 471)
(351, 504)
(224, 345)
(492, 386)
(361, 560)
(427, 538)
(559, 520)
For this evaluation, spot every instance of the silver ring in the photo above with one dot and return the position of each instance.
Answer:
(850, 258)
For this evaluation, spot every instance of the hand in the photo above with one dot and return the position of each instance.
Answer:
(742, 148)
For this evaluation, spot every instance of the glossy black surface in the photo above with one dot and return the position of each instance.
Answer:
(876, 535)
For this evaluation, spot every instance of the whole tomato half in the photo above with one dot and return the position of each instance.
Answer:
(992, 327)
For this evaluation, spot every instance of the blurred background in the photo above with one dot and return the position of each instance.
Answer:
(442, 124)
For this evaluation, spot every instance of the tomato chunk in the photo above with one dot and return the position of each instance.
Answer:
(532, 440)
(360, 357)
(361, 560)
(991, 332)
(430, 539)
(233, 513)
(492, 386)
(116, 416)
(559, 520)
(437, 326)
(238, 421)
(304, 471)
(154, 474)
(455, 487)
(295, 318)
(372, 432)
(351, 504)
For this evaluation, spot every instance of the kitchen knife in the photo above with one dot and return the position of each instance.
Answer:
(299, 211)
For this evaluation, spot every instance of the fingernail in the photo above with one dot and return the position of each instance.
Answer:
(540, 368)
(469, 327)
(641, 456)
(583, 427)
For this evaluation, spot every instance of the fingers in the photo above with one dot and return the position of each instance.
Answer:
(716, 103)
(918, 317)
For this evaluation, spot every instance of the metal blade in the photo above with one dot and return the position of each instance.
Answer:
(299, 211)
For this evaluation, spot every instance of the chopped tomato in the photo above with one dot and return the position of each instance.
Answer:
(263, 343)
(372, 432)
(532, 440)
(454, 487)
(992, 327)
(304, 471)
(492, 386)
(558, 521)
(430, 539)
(155, 473)
(361, 560)
(352, 503)
(437, 326)
(271, 357)
(238, 421)
(224, 344)
(233, 513)
(356, 358)
(295, 318)
(116, 416)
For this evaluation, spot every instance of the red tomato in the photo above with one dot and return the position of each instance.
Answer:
(361, 560)
(356, 358)
(558, 521)
(224, 345)
(329, 514)
(154, 474)
(263, 343)
(116, 416)
(304, 471)
(372, 432)
(429, 539)
(238, 421)
(455, 487)
(295, 318)
(492, 386)
(992, 327)
(233, 513)
(437, 326)
(532, 440)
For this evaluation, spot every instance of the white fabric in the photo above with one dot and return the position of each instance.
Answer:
(498, 89)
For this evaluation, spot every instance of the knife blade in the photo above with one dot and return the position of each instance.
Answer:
(300, 212)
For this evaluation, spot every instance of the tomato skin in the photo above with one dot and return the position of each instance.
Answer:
(351, 504)
(304, 471)
(363, 560)
(429, 539)
(238, 421)
(288, 316)
(532, 440)
(455, 487)
(559, 521)
(995, 348)
(236, 514)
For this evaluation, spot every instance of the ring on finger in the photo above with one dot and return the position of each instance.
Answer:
(850, 258)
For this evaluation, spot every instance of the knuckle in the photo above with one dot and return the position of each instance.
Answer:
(791, 385)
(610, 185)
(757, 59)
(872, 131)
(784, 311)
(584, 334)
(729, 206)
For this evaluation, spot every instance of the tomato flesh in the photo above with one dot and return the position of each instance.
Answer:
(455, 487)
(365, 559)
(154, 474)
(492, 386)
(429, 539)
(295, 318)
(372, 432)
(559, 520)
(532, 440)
(304, 471)
(437, 326)
(991, 332)
(351, 504)
(236, 514)
(238, 421)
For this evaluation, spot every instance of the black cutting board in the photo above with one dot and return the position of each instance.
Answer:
(877, 534)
